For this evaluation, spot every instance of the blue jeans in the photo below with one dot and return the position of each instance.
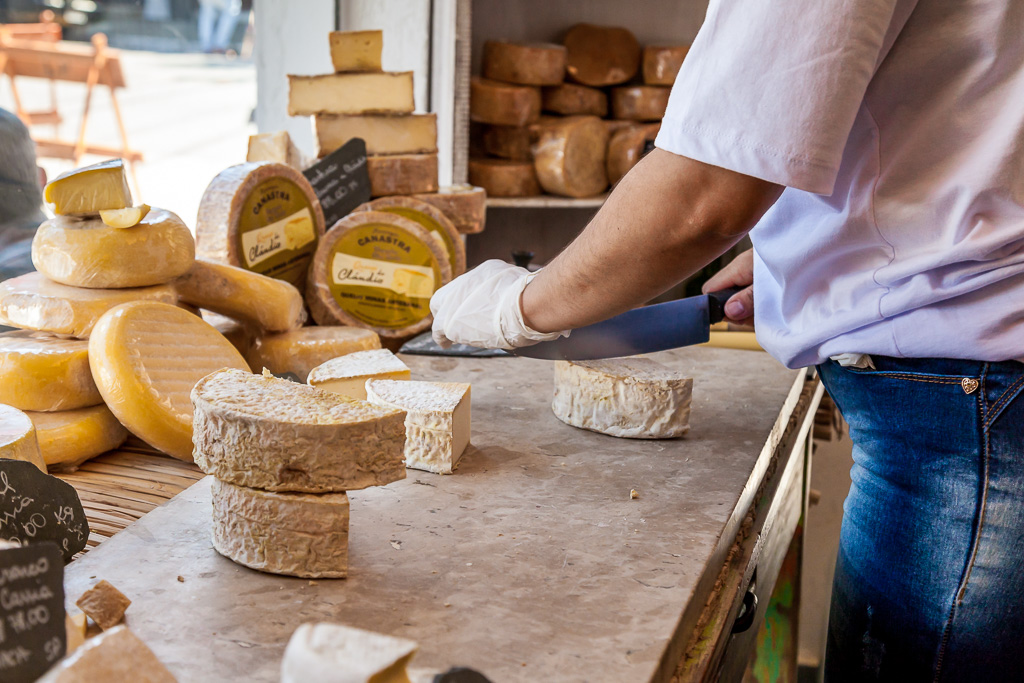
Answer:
(929, 585)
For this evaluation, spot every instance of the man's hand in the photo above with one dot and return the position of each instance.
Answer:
(483, 308)
(739, 273)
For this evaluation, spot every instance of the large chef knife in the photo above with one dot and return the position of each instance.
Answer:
(642, 330)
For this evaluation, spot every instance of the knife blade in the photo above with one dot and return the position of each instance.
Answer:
(647, 329)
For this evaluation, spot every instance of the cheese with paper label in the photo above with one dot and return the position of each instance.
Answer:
(69, 438)
(351, 93)
(356, 50)
(347, 375)
(255, 299)
(464, 205)
(332, 652)
(293, 354)
(87, 191)
(431, 219)
(413, 134)
(41, 372)
(18, 437)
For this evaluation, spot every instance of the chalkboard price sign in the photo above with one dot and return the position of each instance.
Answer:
(36, 507)
(32, 632)
(340, 180)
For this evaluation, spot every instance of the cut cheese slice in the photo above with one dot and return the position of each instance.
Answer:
(437, 423)
(277, 147)
(465, 205)
(503, 104)
(33, 302)
(524, 63)
(569, 156)
(570, 99)
(636, 398)
(124, 218)
(504, 178)
(239, 334)
(89, 190)
(265, 302)
(414, 134)
(376, 270)
(146, 357)
(114, 656)
(293, 354)
(90, 253)
(331, 652)
(431, 219)
(41, 372)
(276, 435)
(402, 174)
(104, 604)
(18, 437)
(296, 534)
(69, 438)
(356, 50)
(627, 146)
(601, 55)
(347, 375)
(662, 63)
(351, 93)
(263, 217)
(640, 102)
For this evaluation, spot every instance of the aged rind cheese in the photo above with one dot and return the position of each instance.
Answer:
(18, 437)
(124, 218)
(662, 63)
(524, 63)
(351, 93)
(636, 398)
(640, 102)
(569, 99)
(615, 125)
(509, 142)
(33, 302)
(465, 205)
(263, 217)
(627, 146)
(114, 656)
(265, 302)
(145, 358)
(69, 438)
(104, 604)
(601, 55)
(430, 219)
(347, 375)
(376, 270)
(413, 134)
(437, 422)
(277, 147)
(402, 174)
(296, 534)
(332, 652)
(356, 50)
(504, 178)
(89, 253)
(293, 354)
(276, 435)
(44, 373)
(239, 334)
(503, 104)
(87, 191)
(569, 156)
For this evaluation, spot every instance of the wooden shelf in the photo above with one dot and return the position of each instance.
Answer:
(546, 202)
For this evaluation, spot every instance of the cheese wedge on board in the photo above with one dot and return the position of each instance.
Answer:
(145, 358)
(524, 63)
(402, 174)
(662, 63)
(347, 375)
(640, 102)
(89, 253)
(114, 656)
(413, 134)
(41, 372)
(356, 50)
(18, 437)
(296, 534)
(429, 218)
(332, 652)
(636, 398)
(351, 93)
(569, 156)
(293, 354)
(268, 433)
(69, 438)
(504, 178)
(465, 206)
(277, 147)
(601, 55)
(87, 191)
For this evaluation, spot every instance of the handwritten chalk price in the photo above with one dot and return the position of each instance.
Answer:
(32, 632)
(340, 180)
(37, 507)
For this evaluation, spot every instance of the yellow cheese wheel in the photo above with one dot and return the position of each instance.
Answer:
(601, 55)
(640, 102)
(69, 438)
(239, 334)
(465, 205)
(293, 354)
(503, 104)
(569, 156)
(265, 302)
(662, 63)
(402, 174)
(18, 437)
(44, 373)
(504, 178)
(87, 191)
(429, 218)
(524, 63)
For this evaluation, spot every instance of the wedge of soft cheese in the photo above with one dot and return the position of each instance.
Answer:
(45, 373)
(293, 354)
(277, 147)
(297, 534)
(356, 50)
(351, 93)
(637, 398)
(69, 438)
(114, 656)
(18, 437)
(414, 134)
(87, 191)
(145, 358)
(332, 652)
(347, 375)
(268, 433)
(124, 218)
(437, 424)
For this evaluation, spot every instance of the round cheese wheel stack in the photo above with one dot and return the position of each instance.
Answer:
(429, 218)
(465, 205)
(265, 302)
(261, 216)
(377, 270)
(45, 373)
(662, 63)
(569, 156)
(503, 104)
(504, 178)
(508, 142)
(293, 354)
(640, 102)
(626, 147)
(524, 63)
(33, 302)
(69, 438)
(145, 358)
(601, 55)
(569, 99)
(90, 253)
(18, 437)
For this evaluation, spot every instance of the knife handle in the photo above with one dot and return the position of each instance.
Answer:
(716, 303)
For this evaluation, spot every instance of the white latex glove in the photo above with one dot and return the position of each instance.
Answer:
(482, 308)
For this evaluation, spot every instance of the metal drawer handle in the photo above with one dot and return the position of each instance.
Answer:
(745, 619)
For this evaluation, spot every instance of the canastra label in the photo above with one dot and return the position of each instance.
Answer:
(431, 226)
(276, 233)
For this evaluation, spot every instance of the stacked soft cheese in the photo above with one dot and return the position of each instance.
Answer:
(283, 456)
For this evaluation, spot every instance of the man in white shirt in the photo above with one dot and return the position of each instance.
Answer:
(874, 151)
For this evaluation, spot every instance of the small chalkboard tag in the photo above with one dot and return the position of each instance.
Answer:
(461, 674)
(36, 507)
(340, 180)
(32, 631)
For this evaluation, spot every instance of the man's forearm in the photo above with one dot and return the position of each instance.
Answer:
(668, 218)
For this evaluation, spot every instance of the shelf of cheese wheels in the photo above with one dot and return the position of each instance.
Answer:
(554, 125)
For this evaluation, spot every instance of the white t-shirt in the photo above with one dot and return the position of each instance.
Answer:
(898, 128)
